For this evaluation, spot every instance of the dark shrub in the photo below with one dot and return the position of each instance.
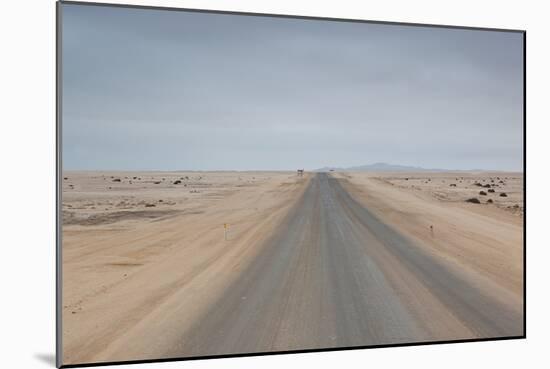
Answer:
(483, 193)
(474, 200)
(503, 194)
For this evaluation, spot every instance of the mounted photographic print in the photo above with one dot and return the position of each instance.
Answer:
(241, 184)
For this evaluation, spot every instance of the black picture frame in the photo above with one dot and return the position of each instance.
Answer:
(58, 154)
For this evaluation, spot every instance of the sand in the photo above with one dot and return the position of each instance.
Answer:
(480, 239)
(460, 186)
(143, 255)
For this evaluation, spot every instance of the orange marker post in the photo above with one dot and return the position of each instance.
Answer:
(225, 228)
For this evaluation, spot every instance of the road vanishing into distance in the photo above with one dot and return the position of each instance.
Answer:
(335, 275)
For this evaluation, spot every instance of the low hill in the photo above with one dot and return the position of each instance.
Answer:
(379, 167)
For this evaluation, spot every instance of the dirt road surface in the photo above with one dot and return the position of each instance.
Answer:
(334, 274)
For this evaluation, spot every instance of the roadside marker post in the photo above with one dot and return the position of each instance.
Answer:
(225, 228)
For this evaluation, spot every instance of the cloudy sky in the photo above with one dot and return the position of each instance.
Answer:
(165, 90)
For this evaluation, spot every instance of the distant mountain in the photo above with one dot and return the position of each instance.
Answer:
(385, 167)
(379, 167)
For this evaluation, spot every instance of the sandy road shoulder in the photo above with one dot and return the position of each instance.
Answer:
(486, 243)
(139, 314)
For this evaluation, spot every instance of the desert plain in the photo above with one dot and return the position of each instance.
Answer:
(182, 264)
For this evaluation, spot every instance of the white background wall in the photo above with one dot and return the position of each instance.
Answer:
(27, 181)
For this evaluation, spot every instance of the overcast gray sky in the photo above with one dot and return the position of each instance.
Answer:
(166, 90)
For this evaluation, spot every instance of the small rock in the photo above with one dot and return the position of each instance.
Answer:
(474, 200)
